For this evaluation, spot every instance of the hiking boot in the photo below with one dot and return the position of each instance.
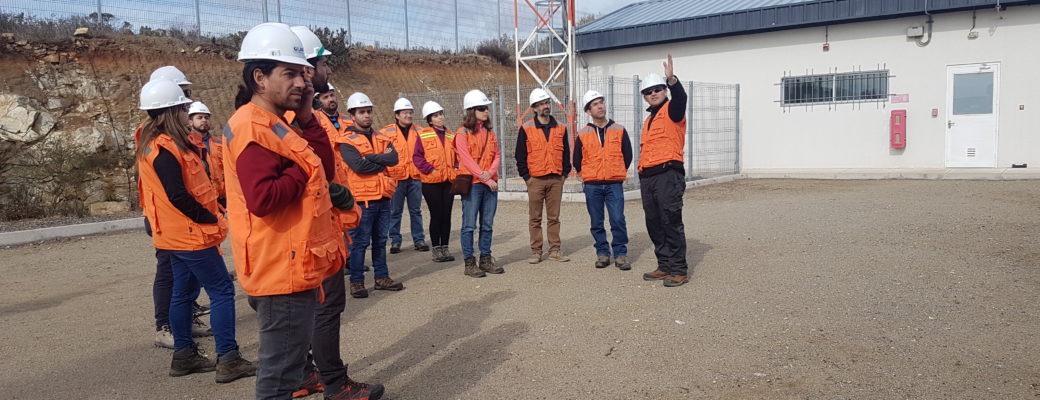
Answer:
(654, 276)
(675, 280)
(534, 259)
(164, 338)
(395, 248)
(356, 391)
(422, 246)
(472, 269)
(447, 255)
(602, 261)
(199, 310)
(311, 385)
(189, 361)
(487, 264)
(388, 284)
(438, 254)
(357, 290)
(232, 367)
(556, 256)
(200, 328)
(622, 263)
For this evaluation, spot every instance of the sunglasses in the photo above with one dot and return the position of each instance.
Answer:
(481, 108)
(650, 91)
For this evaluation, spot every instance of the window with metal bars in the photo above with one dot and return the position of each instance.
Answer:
(849, 87)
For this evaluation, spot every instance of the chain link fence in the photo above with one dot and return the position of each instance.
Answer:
(712, 133)
(441, 25)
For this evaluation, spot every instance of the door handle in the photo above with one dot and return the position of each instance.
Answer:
(949, 124)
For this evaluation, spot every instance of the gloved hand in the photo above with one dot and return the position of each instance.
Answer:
(341, 196)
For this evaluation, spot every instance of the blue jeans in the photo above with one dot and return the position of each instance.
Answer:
(372, 230)
(206, 268)
(410, 190)
(612, 196)
(480, 200)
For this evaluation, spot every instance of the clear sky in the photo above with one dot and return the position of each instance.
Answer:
(602, 7)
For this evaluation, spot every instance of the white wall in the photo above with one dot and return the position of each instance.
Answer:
(856, 136)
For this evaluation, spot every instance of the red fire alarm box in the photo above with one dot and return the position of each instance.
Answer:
(898, 129)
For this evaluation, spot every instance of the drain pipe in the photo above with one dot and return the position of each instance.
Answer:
(928, 27)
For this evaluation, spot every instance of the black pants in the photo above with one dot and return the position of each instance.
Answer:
(325, 354)
(440, 200)
(162, 287)
(286, 328)
(662, 202)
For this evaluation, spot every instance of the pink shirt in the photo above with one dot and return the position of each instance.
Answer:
(466, 159)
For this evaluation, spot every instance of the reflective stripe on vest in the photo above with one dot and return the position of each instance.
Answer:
(663, 140)
(292, 249)
(440, 155)
(602, 161)
(544, 156)
(171, 229)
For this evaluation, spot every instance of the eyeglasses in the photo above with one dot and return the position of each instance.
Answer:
(481, 108)
(655, 89)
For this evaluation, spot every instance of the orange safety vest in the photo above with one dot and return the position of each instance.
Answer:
(368, 187)
(344, 120)
(440, 155)
(295, 248)
(348, 219)
(405, 169)
(602, 161)
(668, 139)
(474, 144)
(544, 157)
(171, 229)
(214, 159)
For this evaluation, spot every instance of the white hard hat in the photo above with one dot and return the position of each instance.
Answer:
(358, 100)
(538, 94)
(652, 80)
(475, 98)
(312, 46)
(198, 107)
(431, 107)
(161, 94)
(273, 41)
(589, 97)
(402, 104)
(170, 73)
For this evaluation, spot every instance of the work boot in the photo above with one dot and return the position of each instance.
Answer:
(654, 276)
(199, 310)
(534, 259)
(388, 284)
(622, 263)
(395, 248)
(556, 256)
(357, 290)
(356, 391)
(164, 338)
(447, 254)
(438, 254)
(675, 280)
(602, 261)
(232, 367)
(422, 246)
(487, 264)
(472, 269)
(189, 361)
(200, 328)
(311, 385)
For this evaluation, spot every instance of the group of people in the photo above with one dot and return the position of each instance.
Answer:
(305, 191)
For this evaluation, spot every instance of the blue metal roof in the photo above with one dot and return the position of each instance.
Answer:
(663, 21)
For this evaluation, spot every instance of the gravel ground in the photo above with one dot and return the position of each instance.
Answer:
(37, 223)
(801, 289)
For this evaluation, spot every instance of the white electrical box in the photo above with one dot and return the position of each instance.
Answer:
(915, 31)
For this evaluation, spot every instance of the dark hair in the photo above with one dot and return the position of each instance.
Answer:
(163, 120)
(469, 121)
(313, 61)
(249, 88)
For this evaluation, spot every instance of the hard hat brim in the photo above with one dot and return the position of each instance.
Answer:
(176, 103)
(282, 59)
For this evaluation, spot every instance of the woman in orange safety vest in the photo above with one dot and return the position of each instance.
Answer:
(435, 159)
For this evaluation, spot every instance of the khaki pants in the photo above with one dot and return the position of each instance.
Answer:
(548, 192)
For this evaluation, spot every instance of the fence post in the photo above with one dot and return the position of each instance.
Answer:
(610, 96)
(263, 7)
(635, 120)
(502, 136)
(690, 98)
(456, 25)
(350, 33)
(99, 20)
(736, 129)
(278, 3)
(407, 45)
(198, 19)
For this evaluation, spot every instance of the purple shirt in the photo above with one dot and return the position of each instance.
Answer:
(419, 154)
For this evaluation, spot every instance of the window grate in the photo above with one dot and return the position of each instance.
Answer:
(849, 87)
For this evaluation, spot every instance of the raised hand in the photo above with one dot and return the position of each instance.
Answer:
(669, 70)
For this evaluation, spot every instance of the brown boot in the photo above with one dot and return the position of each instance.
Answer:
(622, 263)
(357, 290)
(654, 276)
(487, 264)
(472, 269)
(231, 367)
(675, 280)
(556, 256)
(534, 259)
(602, 261)
(388, 284)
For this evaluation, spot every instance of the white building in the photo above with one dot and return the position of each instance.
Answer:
(820, 79)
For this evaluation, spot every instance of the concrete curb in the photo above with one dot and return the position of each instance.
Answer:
(57, 232)
(578, 197)
(991, 174)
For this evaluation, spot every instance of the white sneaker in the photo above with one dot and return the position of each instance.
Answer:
(199, 328)
(164, 338)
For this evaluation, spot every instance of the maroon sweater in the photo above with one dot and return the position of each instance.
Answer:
(270, 182)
